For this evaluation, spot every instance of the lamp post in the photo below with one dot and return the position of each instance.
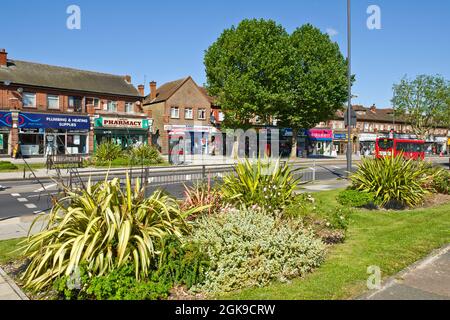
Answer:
(349, 75)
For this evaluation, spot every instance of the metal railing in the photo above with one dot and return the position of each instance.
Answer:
(160, 177)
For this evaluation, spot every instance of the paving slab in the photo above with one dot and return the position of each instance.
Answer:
(8, 289)
(427, 279)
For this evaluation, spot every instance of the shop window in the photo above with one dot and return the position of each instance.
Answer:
(188, 113)
(29, 100)
(75, 104)
(202, 114)
(129, 107)
(4, 142)
(53, 102)
(175, 113)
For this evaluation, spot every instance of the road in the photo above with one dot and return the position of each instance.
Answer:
(28, 197)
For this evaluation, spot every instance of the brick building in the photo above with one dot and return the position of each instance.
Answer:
(181, 111)
(49, 109)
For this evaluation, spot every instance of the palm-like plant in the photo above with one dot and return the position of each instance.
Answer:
(392, 180)
(102, 228)
(264, 183)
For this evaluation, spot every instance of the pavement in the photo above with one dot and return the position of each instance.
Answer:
(8, 288)
(427, 279)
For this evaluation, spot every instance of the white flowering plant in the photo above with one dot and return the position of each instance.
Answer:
(249, 248)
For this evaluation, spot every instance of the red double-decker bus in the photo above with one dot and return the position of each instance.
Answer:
(409, 148)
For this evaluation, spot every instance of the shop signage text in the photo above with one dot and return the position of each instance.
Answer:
(122, 123)
(51, 121)
(320, 134)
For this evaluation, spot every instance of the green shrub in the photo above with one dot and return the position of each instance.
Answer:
(441, 181)
(269, 185)
(121, 284)
(6, 165)
(178, 264)
(355, 198)
(103, 228)
(107, 152)
(394, 181)
(145, 155)
(252, 248)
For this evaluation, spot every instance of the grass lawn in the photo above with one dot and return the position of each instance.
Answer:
(6, 250)
(390, 240)
(19, 167)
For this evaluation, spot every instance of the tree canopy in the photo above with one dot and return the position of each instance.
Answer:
(423, 102)
(258, 69)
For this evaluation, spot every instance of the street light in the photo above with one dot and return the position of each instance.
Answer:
(349, 75)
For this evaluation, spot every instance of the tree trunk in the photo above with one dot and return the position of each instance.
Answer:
(294, 144)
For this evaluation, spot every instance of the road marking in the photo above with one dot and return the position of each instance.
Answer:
(22, 199)
(40, 195)
(30, 206)
(46, 187)
(15, 195)
(38, 212)
(336, 167)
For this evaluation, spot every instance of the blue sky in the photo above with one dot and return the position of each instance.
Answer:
(165, 40)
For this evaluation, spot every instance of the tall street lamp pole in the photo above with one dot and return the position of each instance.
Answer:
(349, 109)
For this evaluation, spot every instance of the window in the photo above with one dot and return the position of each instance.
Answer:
(29, 100)
(95, 102)
(129, 107)
(175, 112)
(52, 101)
(75, 104)
(202, 114)
(188, 113)
(111, 106)
(385, 144)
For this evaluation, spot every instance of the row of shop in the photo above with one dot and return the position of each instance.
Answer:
(44, 134)
(194, 140)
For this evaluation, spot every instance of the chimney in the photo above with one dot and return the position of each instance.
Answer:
(373, 108)
(128, 78)
(141, 89)
(152, 90)
(3, 58)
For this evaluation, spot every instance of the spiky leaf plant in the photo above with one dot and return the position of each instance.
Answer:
(102, 228)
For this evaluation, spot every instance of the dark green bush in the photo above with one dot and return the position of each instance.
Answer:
(355, 198)
(144, 155)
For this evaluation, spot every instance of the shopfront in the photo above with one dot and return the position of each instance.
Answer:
(46, 134)
(5, 124)
(441, 145)
(340, 143)
(367, 142)
(126, 132)
(320, 142)
(286, 143)
(185, 140)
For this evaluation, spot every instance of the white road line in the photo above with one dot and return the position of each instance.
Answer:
(336, 167)
(40, 195)
(22, 199)
(46, 187)
(30, 206)
(15, 195)
(38, 212)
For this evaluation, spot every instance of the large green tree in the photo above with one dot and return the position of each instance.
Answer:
(423, 102)
(247, 70)
(258, 69)
(318, 82)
